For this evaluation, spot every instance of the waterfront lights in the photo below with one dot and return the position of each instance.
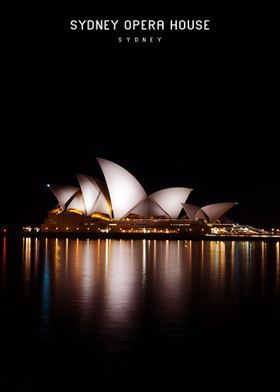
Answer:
(29, 229)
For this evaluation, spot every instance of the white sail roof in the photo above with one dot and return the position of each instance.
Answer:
(211, 212)
(200, 215)
(148, 207)
(191, 210)
(102, 205)
(125, 191)
(90, 191)
(63, 193)
(123, 194)
(77, 203)
(171, 199)
(215, 211)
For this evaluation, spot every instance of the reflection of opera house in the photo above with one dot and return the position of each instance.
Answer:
(121, 205)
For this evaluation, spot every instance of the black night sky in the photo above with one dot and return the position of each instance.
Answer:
(197, 110)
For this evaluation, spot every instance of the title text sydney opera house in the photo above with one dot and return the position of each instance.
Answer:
(121, 205)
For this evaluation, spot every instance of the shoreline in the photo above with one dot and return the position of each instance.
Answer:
(147, 236)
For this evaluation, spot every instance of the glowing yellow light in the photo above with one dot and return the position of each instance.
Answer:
(74, 211)
(55, 211)
(99, 215)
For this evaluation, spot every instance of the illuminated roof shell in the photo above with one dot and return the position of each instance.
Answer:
(148, 208)
(94, 198)
(124, 190)
(171, 199)
(77, 203)
(211, 212)
(63, 193)
(191, 210)
(217, 210)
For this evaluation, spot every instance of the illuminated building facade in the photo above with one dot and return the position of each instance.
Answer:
(121, 204)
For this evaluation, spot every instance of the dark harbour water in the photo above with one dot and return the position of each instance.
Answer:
(89, 315)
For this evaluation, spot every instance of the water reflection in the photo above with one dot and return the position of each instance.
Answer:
(277, 258)
(112, 287)
(4, 259)
(26, 260)
(45, 289)
(108, 309)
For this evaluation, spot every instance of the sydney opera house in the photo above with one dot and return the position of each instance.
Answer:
(120, 204)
